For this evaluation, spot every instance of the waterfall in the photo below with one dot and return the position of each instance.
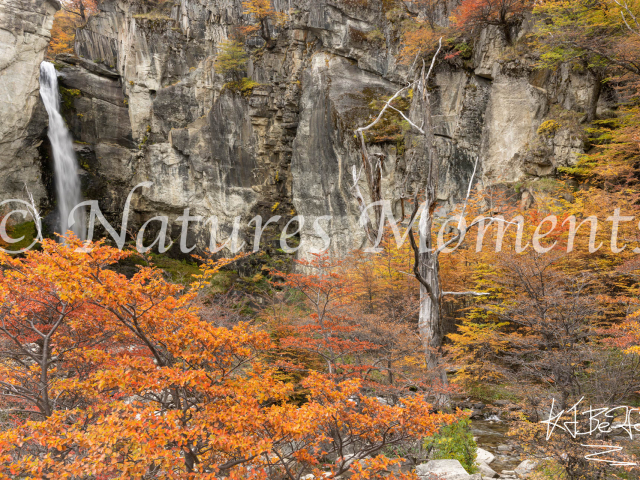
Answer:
(66, 167)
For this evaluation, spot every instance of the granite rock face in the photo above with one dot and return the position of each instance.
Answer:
(24, 36)
(149, 105)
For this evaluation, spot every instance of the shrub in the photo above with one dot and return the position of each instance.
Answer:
(455, 441)
(549, 128)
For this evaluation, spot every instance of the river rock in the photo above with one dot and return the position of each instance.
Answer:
(486, 471)
(484, 456)
(444, 470)
(477, 414)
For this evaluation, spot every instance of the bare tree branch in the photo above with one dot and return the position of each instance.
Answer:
(475, 294)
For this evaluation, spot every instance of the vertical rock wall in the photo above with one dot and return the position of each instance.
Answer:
(151, 106)
(25, 27)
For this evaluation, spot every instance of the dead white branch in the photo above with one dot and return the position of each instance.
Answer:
(625, 8)
(466, 201)
(475, 294)
(35, 213)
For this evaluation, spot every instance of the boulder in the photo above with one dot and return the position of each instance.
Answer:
(444, 470)
(484, 456)
(526, 467)
(486, 471)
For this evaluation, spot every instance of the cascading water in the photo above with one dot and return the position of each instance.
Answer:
(66, 166)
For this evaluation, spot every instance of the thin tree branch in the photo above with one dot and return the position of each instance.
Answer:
(475, 294)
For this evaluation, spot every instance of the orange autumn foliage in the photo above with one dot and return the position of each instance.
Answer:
(473, 14)
(116, 377)
(73, 15)
(264, 18)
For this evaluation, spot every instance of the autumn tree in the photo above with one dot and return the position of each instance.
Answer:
(553, 319)
(357, 320)
(232, 59)
(73, 15)
(326, 331)
(477, 14)
(44, 324)
(544, 334)
(599, 37)
(81, 8)
(420, 34)
(426, 252)
(165, 392)
(265, 18)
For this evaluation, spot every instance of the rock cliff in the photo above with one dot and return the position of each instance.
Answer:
(25, 27)
(144, 102)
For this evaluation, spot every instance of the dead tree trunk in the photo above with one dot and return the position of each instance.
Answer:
(426, 263)
(427, 266)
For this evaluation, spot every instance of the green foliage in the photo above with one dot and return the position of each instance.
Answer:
(68, 96)
(180, 271)
(232, 60)
(375, 37)
(549, 470)
(144, 141)
(602, 131)
(466, 50)
(24, 229)
(244, 86)
(455, 441)
(584, 34)
(391, 127)
(518, 187)
(549, 128)
(488, 393)
(581, 170)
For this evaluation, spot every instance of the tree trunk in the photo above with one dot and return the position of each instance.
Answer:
(429, 324)
(595, 96)
(430, 318)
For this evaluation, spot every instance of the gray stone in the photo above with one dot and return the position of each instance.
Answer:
(484, 456)
(25, 27)
(152, 100)
(486, 471)
(526, 467)
(442, 470)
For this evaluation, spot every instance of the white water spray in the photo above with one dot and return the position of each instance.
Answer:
(66, 166)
